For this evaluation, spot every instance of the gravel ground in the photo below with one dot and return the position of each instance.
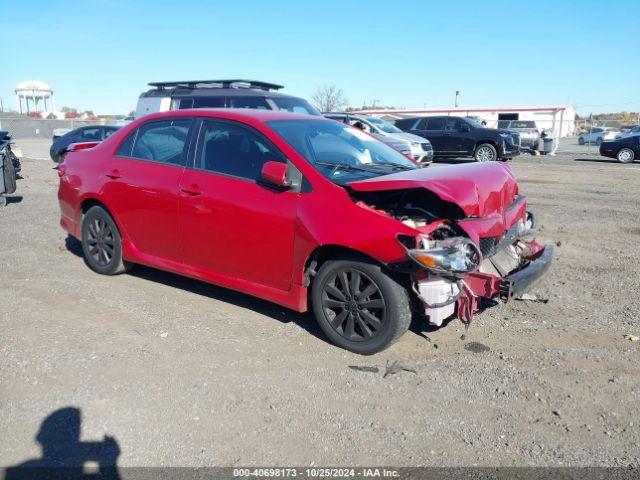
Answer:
(181, 373)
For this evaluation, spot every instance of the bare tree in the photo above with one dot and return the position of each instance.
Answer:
(329, 98)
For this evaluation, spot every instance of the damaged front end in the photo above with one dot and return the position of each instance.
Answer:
(473, 236)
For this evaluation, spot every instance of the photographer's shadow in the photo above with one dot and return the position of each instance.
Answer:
(64, 456)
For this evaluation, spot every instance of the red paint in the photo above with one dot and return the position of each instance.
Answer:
(254, 238)
(275, 173)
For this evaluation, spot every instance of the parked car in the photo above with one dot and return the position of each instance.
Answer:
(253, 94)
(413, 146)
(625, 150)
(89, 133)
(629, 132)
(305, 212)
(463, 137)
(529, 133)
(597, 135)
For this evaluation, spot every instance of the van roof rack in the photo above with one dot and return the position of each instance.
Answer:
(233, 83)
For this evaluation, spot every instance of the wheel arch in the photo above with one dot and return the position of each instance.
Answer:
(89, 202)
(324, 253)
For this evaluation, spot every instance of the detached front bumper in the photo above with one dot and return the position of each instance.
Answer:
(516, 283)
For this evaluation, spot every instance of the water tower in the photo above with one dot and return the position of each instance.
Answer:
(35, 92)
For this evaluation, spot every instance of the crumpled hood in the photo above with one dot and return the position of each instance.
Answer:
(479, 189)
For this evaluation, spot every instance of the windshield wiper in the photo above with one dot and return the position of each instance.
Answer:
(395, 166)
(344, 166)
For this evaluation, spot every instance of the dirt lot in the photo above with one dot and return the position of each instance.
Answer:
(183, 373)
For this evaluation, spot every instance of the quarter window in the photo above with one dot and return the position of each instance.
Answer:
(161, 141)
(233, 150)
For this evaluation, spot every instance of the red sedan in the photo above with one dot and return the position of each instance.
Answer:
(304, 212)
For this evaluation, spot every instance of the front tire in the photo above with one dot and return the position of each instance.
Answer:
(625, 155)
(359, 306)
(485, 152)
(580, 141)
(598, 140)
(102, 243)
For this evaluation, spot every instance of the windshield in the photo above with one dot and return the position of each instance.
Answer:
(384, 126)
(340, 152)
(295, 105)
(523, 125)
(474, 123)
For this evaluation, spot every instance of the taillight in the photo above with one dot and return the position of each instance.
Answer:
(76, 147)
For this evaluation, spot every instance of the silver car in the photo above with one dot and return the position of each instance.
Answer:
(529, 133)
(413, 146)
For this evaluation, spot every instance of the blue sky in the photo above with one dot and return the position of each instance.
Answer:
(100, 55)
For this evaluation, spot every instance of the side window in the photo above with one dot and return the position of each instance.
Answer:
(249, 102)
(435, 123)
(185, 103)
(90, 134)
(109, 131)
(162, 141)
(451, 125)
(204, 102)
(234, 150)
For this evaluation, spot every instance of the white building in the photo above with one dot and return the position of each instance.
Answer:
(35, 92)
(558, 121)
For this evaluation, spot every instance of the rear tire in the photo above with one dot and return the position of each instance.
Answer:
(102, 243)
(580, 141)
(598, 140)
(485, 152)
(625, 155)
(359, 306)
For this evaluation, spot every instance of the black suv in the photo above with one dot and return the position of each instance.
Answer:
(235, 93)
(463, 137)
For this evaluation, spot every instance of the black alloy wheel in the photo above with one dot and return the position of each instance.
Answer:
(354, 305)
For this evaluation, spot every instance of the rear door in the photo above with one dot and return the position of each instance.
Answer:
(432, 128)
(232, 225)
(142, 186)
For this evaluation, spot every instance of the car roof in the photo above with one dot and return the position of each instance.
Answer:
(213, 92)
(234, 114)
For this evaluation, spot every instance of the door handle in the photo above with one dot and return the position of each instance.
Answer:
(193, 190)
(114, 174)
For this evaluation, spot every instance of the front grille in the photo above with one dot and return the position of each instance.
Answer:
(488, 246)
(426, 147)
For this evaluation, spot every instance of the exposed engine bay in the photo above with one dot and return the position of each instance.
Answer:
(456, 261)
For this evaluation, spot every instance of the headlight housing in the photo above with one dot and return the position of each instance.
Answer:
(454, 255)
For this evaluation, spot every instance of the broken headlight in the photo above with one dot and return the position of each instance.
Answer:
(451, 255)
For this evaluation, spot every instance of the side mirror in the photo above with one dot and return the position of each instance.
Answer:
(275, 173)
(465, 128)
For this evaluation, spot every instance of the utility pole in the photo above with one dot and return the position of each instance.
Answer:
(455, 103)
